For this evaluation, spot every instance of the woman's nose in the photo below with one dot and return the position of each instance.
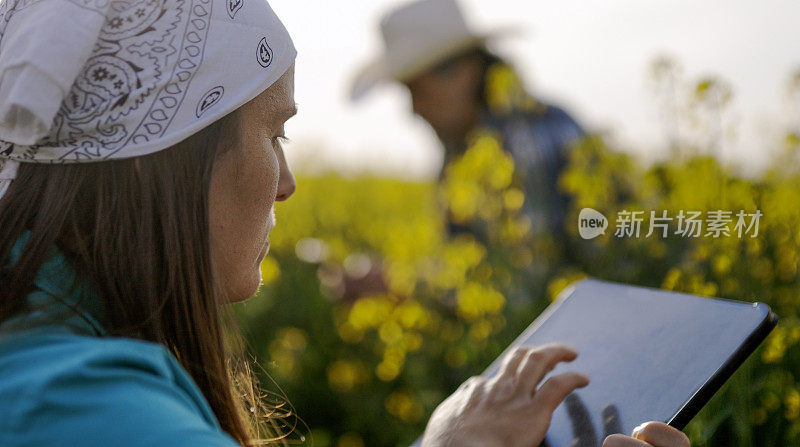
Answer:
(286, 182)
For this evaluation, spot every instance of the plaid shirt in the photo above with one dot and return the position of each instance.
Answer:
(539, 141)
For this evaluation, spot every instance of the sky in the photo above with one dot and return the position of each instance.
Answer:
(588, 56)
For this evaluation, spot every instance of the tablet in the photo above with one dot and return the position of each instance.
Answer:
(651, 355)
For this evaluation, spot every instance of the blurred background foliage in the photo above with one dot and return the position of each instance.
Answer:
(370, 315)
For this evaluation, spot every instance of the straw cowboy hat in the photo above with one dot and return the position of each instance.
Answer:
(416, 37)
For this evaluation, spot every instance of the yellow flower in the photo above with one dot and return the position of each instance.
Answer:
(475, 300)
(792, 403)
(404, 406)
(344, 375)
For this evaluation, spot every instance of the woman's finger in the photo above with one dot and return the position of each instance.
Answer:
(556, 388)
(474, 388)
(623, 441)
(511, 363)
(469, 383)
(660, 434)
(541, 361)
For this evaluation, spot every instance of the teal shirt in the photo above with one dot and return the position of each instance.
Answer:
(65, 382)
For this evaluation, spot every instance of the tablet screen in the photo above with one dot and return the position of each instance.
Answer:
(651, 355)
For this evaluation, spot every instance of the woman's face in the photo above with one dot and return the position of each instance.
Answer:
(245, 183)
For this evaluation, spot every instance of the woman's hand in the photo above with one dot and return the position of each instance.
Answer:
(650, 434)
(509, 409)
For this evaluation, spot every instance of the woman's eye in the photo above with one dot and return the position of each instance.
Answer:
(279, 140)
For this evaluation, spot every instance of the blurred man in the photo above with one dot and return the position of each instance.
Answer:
(458, 87)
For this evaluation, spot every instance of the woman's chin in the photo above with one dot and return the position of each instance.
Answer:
(245, 289)
(240, 298)
(248, 282)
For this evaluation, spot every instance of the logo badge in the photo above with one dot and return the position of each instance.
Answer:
(264, 53)
(209, 99)
(234, 6)
(591, 223)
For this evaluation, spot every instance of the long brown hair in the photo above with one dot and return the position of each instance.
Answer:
(137, 231)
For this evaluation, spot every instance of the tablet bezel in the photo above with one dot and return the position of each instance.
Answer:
(707, 391)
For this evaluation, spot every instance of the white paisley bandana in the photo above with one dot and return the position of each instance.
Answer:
(93, 80)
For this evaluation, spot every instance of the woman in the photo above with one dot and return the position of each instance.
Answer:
(141, 158)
